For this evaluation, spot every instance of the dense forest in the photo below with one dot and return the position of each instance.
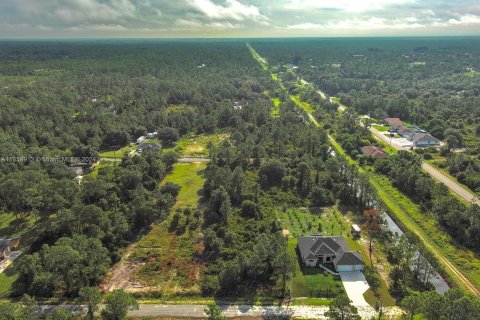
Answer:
(429, 82)
(62, 103)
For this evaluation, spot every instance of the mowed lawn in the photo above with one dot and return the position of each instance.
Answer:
(169, 252)
(189, 176)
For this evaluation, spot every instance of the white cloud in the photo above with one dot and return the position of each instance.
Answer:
(98, 27)
(467, 19)
(232, 9)
(306, 26)
(344, 5)
(379, 23)
(373, 23)
(92, 10)
(195, 25)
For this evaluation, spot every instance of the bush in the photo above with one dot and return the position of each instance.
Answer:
(171, 188)
(249, 209)
(209, 285)
(168, 135)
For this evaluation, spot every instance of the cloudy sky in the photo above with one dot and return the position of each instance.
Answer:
(236, 18)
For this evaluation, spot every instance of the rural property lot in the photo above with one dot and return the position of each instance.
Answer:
(164, 260)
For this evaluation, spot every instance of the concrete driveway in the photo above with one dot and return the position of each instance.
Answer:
(355, 285)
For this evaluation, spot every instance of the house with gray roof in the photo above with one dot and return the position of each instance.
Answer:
(406, 132)
(329, 251)
(424, 140)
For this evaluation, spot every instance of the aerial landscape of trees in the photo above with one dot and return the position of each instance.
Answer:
(273, 153)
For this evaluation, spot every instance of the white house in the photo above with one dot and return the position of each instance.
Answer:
(334, 251)
(152, 135)
(424, 140)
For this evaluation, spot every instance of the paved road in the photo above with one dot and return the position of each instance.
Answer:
(196, 311)
(435, 173)
(452, 185)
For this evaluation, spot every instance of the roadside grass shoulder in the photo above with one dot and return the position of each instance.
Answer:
(381, 128)
(302, 104)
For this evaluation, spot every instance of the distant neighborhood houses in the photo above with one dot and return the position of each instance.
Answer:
(418, 136)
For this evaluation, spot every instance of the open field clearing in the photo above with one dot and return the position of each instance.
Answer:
(196, 145)
(189, 177)
(166, 261)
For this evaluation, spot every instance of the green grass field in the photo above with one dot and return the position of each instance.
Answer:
(381, 128)
(196, 145)
(117, 153)
(23, 227)
(470, 74)
(189, 177)
(7, 278)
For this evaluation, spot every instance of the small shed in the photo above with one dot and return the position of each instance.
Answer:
(356, 230)
(286, 233)
(7, 246)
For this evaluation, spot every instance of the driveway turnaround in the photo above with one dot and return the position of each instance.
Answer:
(355, 285)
